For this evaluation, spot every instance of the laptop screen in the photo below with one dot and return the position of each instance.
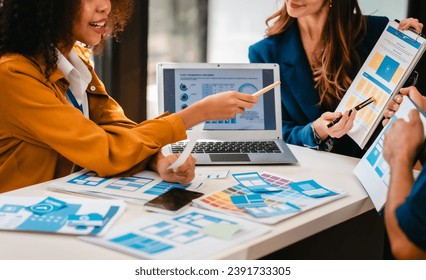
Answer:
(182, 84)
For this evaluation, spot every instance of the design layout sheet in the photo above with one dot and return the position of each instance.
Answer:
(194, 234)
(51, 215)
(382, 75)
(137, 189)
(373, 171)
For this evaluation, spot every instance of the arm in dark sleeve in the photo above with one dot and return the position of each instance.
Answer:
(411, 215)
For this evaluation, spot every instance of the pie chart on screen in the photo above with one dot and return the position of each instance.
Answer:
(248, 88)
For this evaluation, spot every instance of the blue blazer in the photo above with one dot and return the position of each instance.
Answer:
(299, 97)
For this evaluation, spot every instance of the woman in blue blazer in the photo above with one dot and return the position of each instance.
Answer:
(319, 45)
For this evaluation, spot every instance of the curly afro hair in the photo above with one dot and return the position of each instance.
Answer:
(34, 28)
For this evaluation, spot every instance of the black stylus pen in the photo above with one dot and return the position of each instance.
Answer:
(356, 108)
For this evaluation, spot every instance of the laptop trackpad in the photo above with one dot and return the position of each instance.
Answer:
(229, 157)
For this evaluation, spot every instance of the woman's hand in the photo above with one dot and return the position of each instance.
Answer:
(394, 103)
(219, 106)
(411, 23)
(337, 130)
(183, 174)
(226, 105)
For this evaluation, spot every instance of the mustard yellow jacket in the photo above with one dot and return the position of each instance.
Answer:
(42, 137)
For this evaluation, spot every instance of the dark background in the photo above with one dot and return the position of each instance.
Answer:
(417, 9)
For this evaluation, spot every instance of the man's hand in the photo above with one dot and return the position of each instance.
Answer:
(404, 140)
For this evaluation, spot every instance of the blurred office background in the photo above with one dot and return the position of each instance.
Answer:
(201, 31)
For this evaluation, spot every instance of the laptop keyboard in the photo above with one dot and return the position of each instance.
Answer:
(234, 147)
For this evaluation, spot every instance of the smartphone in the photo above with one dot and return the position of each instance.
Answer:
(172, 201)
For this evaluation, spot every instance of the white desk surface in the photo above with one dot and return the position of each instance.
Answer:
(330, 170)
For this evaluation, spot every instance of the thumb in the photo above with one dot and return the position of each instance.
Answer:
(405, 91)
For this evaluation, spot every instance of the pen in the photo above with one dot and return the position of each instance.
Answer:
(356, 108)
(266, 89)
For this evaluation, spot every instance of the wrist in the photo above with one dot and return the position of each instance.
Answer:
(193, 114)
(153, 163)
(319, 135)
(401, 161)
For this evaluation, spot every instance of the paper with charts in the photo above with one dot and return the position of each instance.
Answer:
(383, 74)
(280, 205)
(373, 171)
(52, 215)
(137, 189)
(193, 234)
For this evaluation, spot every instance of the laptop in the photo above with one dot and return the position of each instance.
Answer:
(254, 137)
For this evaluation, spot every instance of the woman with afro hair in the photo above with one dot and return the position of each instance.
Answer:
(55, 114)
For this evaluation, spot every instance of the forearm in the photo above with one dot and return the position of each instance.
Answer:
(400, 184)
(399, 188)
(193, 115)
(219, 106)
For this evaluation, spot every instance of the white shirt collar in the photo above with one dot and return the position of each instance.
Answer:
(79, 77)
(76, 73)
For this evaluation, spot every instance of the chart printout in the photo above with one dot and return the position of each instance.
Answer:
(382, 75)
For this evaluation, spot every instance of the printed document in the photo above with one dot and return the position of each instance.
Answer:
(284, 198)
(383, 74)
(373, 170)
(65, 216)
(194, 234)
(137, 189)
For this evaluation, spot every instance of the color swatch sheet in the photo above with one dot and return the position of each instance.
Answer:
(38, 215)
(137, 189)
(194, 234)
(382, 75)
(373, 171)
(280, 205)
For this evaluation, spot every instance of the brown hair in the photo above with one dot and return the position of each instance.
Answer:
(36, 28)
(342, 34)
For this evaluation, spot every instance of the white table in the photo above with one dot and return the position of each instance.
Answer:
(328, 169)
